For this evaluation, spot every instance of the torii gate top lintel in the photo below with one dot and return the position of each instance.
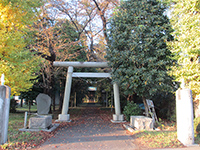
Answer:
(80, 64)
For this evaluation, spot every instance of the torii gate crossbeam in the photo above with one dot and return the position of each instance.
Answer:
(117, 117)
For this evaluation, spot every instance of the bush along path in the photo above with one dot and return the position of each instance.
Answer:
(91, 130)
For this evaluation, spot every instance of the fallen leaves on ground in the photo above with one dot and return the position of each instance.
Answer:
(156, 139)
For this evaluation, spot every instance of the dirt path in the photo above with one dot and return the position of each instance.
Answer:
(93, 130)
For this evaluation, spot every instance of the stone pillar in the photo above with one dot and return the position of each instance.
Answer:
(65, 116)
(117, 117)
(4, 112)
(184, 116)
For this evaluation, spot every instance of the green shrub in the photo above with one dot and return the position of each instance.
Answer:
(197, 126)
(131, 109)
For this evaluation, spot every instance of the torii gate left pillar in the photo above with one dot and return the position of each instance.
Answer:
(64, 116)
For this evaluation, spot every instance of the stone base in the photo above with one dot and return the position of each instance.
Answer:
(51, 128)
(118, 118)
(141, 122)
(40, 122)
(64, 118)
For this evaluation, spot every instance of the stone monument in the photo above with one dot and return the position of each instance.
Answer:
(42, 120)
(43, 104)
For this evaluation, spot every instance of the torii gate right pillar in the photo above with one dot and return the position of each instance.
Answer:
(117, 117)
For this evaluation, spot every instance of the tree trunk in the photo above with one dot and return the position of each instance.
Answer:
(57, 95)
(75, 99)
(145, 106)
(62, 84)
(29, 104)
(22, 102)
(61, 102)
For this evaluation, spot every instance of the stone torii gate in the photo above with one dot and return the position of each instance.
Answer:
(117, 117)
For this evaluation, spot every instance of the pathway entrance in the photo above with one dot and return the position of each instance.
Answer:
(92, 130)
(64, 116)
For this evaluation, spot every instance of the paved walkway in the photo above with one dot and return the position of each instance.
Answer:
(93, 131)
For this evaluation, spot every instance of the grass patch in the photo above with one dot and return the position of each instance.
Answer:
(33, 108)
(26, 108)
(197, 139)
(19, 139)
(157, 139)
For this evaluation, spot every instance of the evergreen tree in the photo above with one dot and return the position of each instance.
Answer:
(137, 50)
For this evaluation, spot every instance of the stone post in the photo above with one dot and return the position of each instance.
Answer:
(65, 116)
(184, 116)
(117, 117)
(4, 112)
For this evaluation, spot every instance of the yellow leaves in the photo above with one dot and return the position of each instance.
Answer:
(16, 62)
(18, 76)
(11, 18)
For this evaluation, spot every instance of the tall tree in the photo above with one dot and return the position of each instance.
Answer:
(55, 40)
(185, 16)
(186, 46)
(17, 63)
(137, 49)
(89, 17)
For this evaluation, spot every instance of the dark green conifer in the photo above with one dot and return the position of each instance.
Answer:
(137, 51)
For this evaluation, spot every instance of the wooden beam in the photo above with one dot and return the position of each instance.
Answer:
(80, 64)
(91, 75)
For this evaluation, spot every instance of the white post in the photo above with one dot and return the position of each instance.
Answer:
(4, 112)
(64, 116)
(25, 119)
(116, 99)
(117, 117)
(2, 79)
(184, 116)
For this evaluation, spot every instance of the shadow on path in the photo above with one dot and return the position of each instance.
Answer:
(92, 130)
